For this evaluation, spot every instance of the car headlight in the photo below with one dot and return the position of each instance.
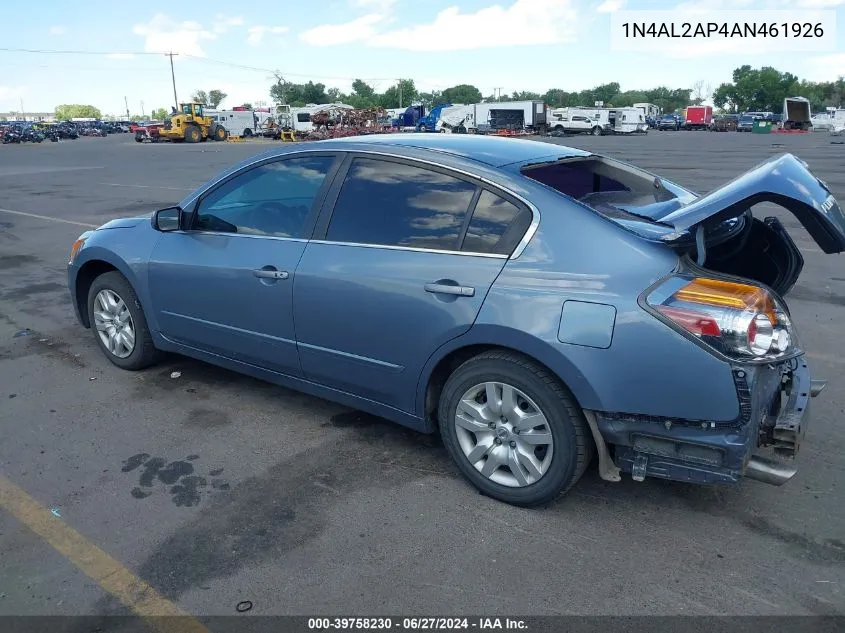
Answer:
(74, 251)
(738, 320)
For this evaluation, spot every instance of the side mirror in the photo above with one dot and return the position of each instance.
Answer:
(169, 219)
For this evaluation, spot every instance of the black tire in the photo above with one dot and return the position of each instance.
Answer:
(219, 133)
(144, 353)
(596, 131)
(193, 134)
(247, 133)
(573, 446)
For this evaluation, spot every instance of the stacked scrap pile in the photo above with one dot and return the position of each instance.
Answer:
(337, 123)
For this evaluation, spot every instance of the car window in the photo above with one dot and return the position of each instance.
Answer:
(394, 204)
(273, 199)
(496, 226)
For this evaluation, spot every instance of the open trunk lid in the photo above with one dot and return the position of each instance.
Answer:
(783, 180)
(717, 229)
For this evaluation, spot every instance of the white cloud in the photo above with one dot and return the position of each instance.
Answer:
(163, 34)
(333, 34)
(256, 33)
(57, 30)
(525, 22)
(223, 23)
(824, 67)
(378, 6)
(609, 6)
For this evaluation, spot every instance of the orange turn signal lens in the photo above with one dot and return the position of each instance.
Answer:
(728, 294)
(75, 249)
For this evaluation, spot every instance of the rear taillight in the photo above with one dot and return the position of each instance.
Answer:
(741, 321)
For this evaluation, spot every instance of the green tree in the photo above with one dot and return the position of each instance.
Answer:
(462, 93)
(362, 89)
(754, 89)
(216, 97)
(557, 98)
(248, 106)
(212, 98)
(524, 95)
(159, 114)
(430, 99)
(393, 97)
(200, 96)
(74, 111)
(334, 95)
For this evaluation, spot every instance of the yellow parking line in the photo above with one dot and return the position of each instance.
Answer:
(113, 577)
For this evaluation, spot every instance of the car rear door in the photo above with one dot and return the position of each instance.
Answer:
(224, 284)
(401, 261)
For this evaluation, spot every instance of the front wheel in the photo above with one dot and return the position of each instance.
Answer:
(513, 429)
(596, 131)
(118, 322)
(220, 133)
(192, 134)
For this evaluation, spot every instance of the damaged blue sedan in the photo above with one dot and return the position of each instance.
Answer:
(537, 305)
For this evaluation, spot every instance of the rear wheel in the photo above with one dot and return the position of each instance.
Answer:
(247, 133)
(118, 322)
(513, 429)
(192, 134)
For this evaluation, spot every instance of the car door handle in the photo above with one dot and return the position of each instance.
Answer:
(446, 289)
(270, 274)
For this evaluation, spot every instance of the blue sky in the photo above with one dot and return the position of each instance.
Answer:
(508, 44)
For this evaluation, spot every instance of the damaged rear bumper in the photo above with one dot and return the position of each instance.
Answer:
(774, 414)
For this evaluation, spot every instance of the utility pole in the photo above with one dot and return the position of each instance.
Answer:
(173, 77)
(143, 115)
(400, 93)
(23, 116)
(497, 93)
(126, 101)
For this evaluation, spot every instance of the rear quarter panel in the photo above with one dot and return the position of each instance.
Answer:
(648, 368)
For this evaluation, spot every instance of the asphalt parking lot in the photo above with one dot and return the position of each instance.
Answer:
(214, 488)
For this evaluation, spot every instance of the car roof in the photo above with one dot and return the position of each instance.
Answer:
(489, 150)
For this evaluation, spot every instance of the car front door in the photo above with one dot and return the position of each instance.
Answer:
(400, 266)
(224, 284)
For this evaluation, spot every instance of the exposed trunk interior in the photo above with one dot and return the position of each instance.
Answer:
(737, 245)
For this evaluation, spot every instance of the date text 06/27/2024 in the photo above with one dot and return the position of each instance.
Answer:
(689, 33)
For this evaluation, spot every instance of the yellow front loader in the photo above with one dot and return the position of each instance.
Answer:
(191, 125)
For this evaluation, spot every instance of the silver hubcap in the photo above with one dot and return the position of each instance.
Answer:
(114, 323)
(503, 434)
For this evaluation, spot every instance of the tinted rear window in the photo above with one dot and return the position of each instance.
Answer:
(395, 204)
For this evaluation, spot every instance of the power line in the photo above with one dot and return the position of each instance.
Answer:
(209, 60)
(47, 51)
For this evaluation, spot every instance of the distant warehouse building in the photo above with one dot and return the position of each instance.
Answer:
(35, 117)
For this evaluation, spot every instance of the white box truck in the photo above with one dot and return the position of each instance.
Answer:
(236, 122)
(517, 116)
(796, 114)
